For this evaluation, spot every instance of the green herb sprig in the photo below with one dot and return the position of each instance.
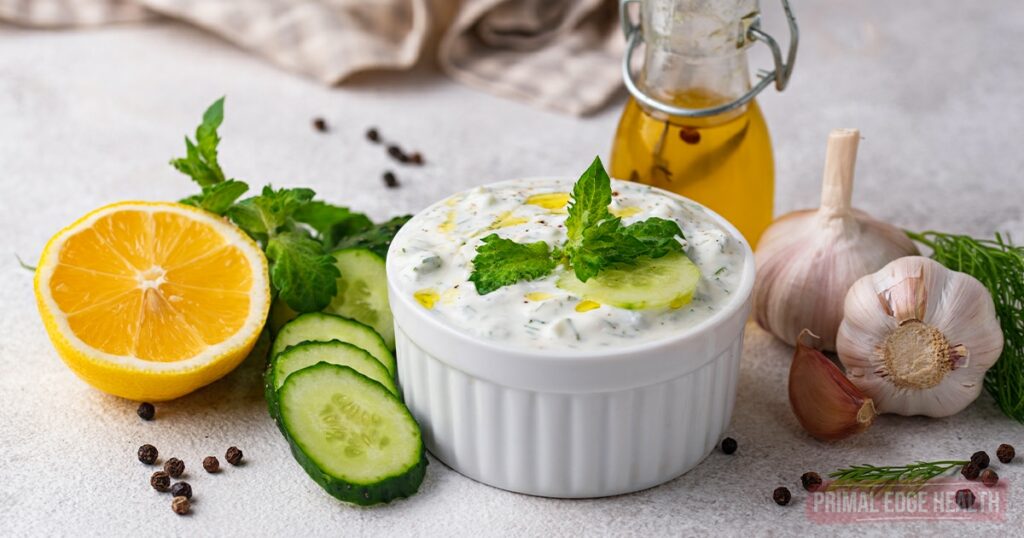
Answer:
(883, 477)
(295, 231)
(595, 240)
(999, 265)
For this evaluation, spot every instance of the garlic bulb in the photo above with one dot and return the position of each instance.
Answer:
(807, 260)
(917, 337)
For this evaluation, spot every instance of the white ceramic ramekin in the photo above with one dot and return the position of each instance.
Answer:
(572, 423)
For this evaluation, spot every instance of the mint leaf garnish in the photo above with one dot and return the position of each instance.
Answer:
(304, 276)
(591, 196)
(598, 240)
(500, 262)
(595, 240)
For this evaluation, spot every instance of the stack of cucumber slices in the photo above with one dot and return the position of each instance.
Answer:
(330, 386)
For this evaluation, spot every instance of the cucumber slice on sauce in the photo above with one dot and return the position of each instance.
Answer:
(668, 281)
(351, 435)
(320, 327)
(363, 291)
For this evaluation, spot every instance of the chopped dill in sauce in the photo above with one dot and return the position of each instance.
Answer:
(435, 253)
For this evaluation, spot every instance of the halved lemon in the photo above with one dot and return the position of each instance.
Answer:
(150, 301)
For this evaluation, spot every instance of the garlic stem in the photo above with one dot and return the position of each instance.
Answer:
(808, 259)
(837, 184)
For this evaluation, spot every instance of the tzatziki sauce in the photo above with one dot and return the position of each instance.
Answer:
(431, 260)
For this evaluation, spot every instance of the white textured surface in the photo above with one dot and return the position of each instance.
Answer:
(89, 117)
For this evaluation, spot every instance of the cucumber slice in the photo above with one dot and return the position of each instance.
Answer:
(320, 327)
(363, 292)
(351, 435)
(668, 281)
(309, 353)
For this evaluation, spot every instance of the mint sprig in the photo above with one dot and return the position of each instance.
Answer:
(296, 232)
(200, 161)
(596, 240)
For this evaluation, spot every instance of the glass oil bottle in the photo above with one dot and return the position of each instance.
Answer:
(691, 124)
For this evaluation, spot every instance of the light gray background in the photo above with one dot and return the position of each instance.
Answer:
(90, 117)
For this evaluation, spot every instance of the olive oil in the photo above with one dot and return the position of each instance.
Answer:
(724, 162)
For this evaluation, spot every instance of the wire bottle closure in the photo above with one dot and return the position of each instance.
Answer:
(752, 32)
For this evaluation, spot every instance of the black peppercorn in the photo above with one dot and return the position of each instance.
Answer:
(390, 180)
(211, 464)
(182, 489)
(970, 471)
(980, 458)
(811, 481)
(174, 467)
(989, 478)
(416, 158)
(965, 499)
(233, 455)
(781, 496)
(148, 454)
(397, 154)
(1005, 453)
(372, 135)
(320, 124)
(689, 135)
(160, 481)
(180, 505)
(146, 411)
(729, 445)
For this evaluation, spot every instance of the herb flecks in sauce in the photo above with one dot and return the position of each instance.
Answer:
(424, 258)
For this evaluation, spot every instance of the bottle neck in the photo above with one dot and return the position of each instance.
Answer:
(695, 83)
(695, 52)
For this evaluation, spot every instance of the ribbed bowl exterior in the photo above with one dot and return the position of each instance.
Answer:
(569, 445)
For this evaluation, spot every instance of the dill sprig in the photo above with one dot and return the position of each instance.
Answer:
(999, 265)
(884, 477)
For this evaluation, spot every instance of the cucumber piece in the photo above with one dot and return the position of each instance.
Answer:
(668, 281)
(321, 327)
(309, 353)
(363, 291)
(351, 435)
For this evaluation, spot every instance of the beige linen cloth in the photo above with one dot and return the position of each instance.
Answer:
(559, 54)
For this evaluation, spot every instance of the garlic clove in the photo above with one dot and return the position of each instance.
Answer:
(918, 337)
(807, 260)
(824, 401)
